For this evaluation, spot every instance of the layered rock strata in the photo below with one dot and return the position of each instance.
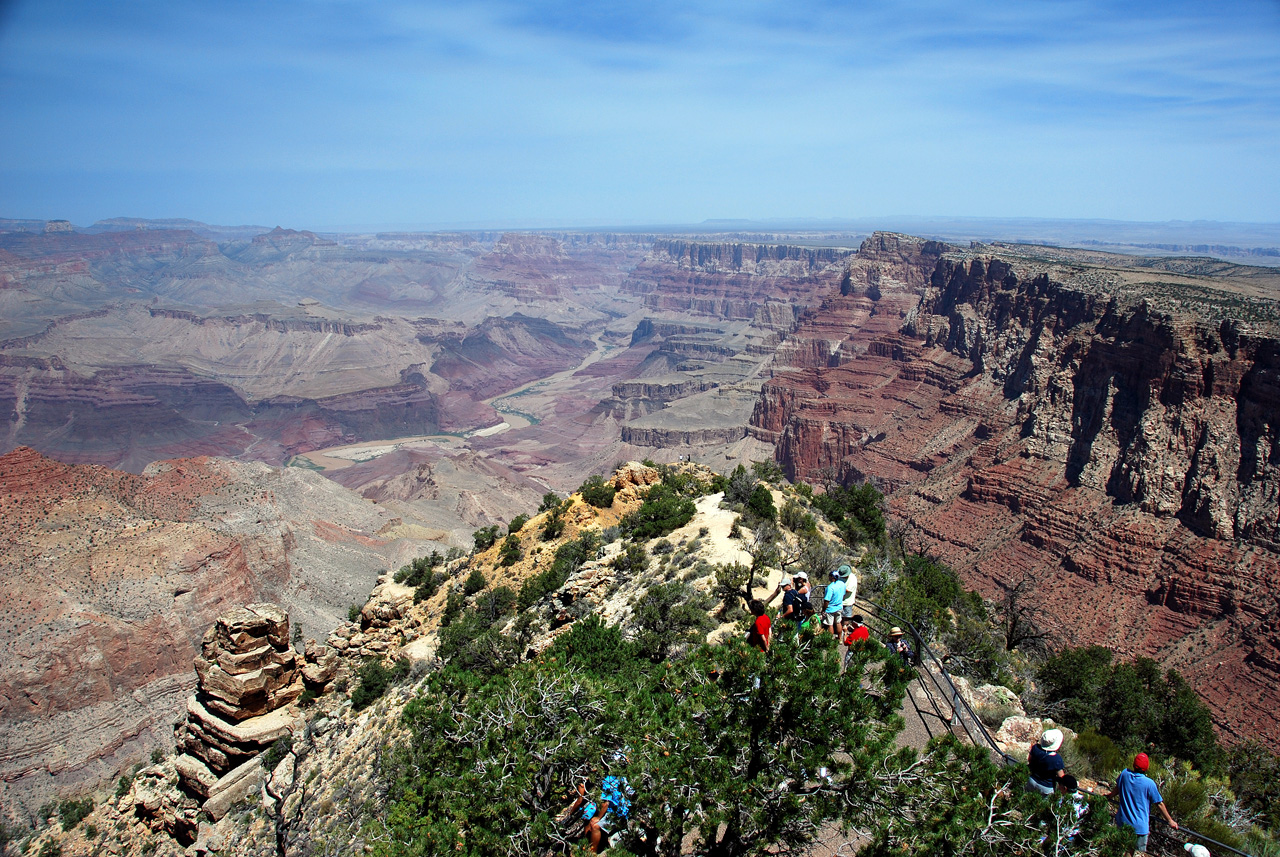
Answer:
(1107, 430)
(111, 579)
(247, 677)
(763, 283)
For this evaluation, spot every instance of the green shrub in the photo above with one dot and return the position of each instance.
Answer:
(857, 511)
(553, 525)
(72, 812)
(795, 518)
(485, 537)
(420, 570)
(668, 616)
(568, 559)
(738, 486)
(1103, 759)
(51, 848)
(353, 613)
(595, 647)
(508, 555)
(517, 524)
(769, 471)
(429, 586)
(632, 559)
(924, 594)
(760, 504)
(375, 678)
(452, 608)
(1131, 702)
(90, 832)
(661, 512)
(496, 603)
(1255, 778)
(275, 754)
(476, 580)
(550, 500)
(597, 492)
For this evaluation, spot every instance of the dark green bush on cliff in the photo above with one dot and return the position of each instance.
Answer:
(1134, 703)
(662, 511)
(597, 492)
(568, 559)
(375, 678)
(857, 511)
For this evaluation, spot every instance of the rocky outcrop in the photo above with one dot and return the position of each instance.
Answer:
(503, 353)
(247, 676)
(1036, 414)
(111, 578)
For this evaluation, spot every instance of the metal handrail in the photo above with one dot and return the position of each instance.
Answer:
(958, 701)
(1182, 828)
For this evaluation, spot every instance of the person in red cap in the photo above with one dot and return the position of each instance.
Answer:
(1138, 793)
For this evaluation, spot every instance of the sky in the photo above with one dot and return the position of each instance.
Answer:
(326, 114)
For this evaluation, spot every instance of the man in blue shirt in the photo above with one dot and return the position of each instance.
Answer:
(1138, 793)
(835, 603)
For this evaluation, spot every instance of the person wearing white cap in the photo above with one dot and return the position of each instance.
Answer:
(1047, 767)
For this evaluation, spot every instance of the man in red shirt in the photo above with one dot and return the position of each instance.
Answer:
(859, 632)
(759, 634)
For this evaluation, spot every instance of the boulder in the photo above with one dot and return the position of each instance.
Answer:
(987, 699)
(194, 775)
(1017, 734)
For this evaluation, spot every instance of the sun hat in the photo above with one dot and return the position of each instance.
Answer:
(1051, 739)
(800, 575)
(845, 571)
(1196, 849)
(895, 631)
(785, 582)
(1141, 763)
(835, 572)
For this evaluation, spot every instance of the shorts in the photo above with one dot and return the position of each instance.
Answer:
(1034, 786)
(847, 612)
(1141, 847)
(830, 619)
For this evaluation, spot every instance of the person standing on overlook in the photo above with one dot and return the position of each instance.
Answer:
(1138, 793)
(834, 595)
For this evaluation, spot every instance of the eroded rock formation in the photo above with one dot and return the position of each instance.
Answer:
(1109, 430)
(247, 677)
(111, 578)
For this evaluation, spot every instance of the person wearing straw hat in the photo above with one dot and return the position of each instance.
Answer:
(898, 644)
(1047, 767)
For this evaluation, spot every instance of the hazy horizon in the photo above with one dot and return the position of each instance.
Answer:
(334, 115)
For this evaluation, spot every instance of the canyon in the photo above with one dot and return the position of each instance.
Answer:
(202, 418)
(1104, 427)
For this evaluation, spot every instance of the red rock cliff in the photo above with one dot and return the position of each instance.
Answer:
(1113, 433)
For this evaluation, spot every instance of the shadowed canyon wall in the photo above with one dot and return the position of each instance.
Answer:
(1114, 434)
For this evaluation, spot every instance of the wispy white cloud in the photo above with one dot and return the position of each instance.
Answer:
(655, 110)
